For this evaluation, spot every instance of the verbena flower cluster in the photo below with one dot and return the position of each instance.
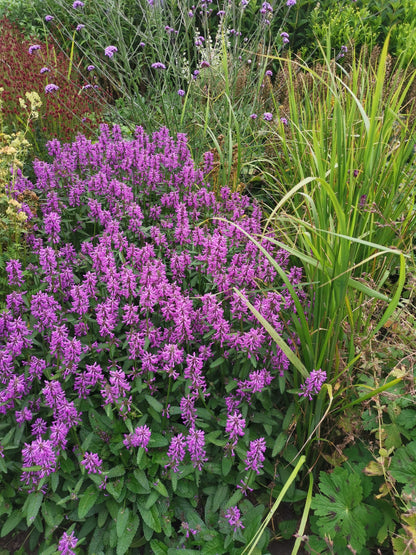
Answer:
(134, 315)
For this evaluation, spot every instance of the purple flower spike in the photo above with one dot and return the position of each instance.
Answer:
(80, 26)
(267, 116)
(66, 543)
(181, 92)
(44, 70)
(77, 4)
(234, 517)
(313, 384)
(48, 18)
(158, 65)
(110, 51)
(255, 455)
(92, 463)
(290, 3)
(51, 88)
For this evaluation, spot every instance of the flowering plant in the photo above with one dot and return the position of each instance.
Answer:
(147, 400)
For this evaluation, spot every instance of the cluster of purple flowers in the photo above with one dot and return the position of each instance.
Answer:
(134, 287)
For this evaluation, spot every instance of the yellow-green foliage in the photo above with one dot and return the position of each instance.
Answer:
(14, 148)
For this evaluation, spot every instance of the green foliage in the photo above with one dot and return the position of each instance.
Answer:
(342, 515)
(348, 24)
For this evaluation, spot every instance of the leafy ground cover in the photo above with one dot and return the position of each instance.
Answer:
(207, 303)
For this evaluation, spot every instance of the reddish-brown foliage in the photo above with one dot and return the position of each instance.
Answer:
(65, 112)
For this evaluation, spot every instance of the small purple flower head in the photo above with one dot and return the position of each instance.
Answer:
(204, 63)
(313, 384)
(290, 3)
(77, 4)
(110, 51)
(285, 37)
(269, 73)
(139, 438)
(255, 455)
(48, 18)
(33, 48)
(90, 67)
(284, 121)
(92, 463)
(51, 88)
(44, 70)
(142, 44)
(233, 516)
(253, 116)
(80, 26)
(158, 65)
(66, 543)
(268, 116)
(181, 92)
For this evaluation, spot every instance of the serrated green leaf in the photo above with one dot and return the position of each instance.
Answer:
(226, 465)
(157, 440)
(33, 506)
(215, 546)
(154, 403)
(158, 547)
(279, 444)
(12, 521)
(160, 487)
(340, 509)
(186, 488)
(122, 520)
(151, 518)
(116, 489)
(87, 500)
(221, 494)
(403, 465)
(117, 471)
(142, 479)
(217, 362)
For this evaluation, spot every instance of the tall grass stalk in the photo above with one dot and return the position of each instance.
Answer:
(204, 53)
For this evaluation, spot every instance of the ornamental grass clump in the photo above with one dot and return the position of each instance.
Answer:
(67, 105)
(142, 403)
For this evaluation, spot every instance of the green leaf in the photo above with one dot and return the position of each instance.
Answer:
(151, 518)
(87, 500)
(226, 465)
(157, 440)
(33, 506)
(340, 509)
(403, 465)
(160, 487)
(116, 489)
(117, 471)
(279, 444)
(158, 547)
(142, 480)
(217, 362)
(215, 546)
(221, 494)
(127, 538)
(121, 520)
(12, 521)
(154, 403)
